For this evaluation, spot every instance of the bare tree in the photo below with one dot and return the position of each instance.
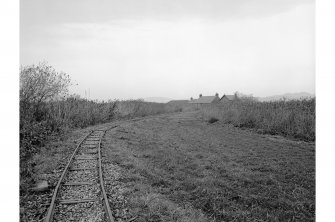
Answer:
(41, 83)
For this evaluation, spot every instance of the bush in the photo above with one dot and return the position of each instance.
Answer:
(38, 86)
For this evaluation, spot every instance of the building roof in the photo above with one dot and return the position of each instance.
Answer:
(229, 97)
(177, 102)
(204, 99)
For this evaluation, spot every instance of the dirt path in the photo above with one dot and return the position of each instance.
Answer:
(177, 167)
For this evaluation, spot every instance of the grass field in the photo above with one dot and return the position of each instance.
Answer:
(181, 168)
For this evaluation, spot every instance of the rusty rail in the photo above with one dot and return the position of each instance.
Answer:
(106, 204)
(54, 196)
(50, 213)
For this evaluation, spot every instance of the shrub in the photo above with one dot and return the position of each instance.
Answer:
(38, 86)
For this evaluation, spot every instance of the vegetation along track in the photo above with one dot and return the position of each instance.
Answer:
(80, 194)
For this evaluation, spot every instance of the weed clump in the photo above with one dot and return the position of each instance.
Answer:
(213, 120)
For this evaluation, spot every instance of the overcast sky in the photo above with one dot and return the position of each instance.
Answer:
(129, 49)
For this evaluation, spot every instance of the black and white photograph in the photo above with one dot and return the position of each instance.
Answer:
(166, 110)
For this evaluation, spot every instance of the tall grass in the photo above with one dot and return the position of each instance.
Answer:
(56, 116)
(138, 108)
(294, 118)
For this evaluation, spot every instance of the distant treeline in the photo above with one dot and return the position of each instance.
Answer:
(293, 118)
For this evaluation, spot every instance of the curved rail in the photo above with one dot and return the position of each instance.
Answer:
(106, 204)
(52, 205)
(105, 199)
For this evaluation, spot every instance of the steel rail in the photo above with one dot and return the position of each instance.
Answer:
(102, 184)
(110, 218)
(48, 218)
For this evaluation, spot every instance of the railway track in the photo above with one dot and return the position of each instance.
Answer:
(80, 194)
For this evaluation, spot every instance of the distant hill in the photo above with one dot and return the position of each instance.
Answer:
(287, 96)
(157, 99)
